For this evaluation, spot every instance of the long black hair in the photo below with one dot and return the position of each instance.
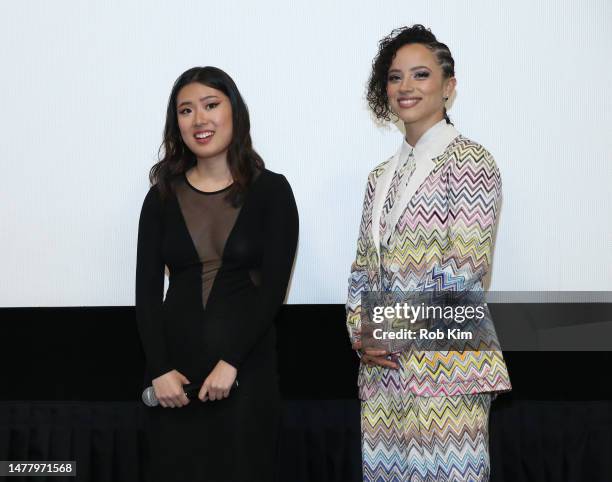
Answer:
(387, 48)
(177, 158)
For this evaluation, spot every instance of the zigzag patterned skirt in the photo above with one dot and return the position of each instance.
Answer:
(426, 439)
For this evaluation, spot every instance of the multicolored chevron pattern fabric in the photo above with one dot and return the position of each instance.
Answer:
(442, 241)
(402, 174)
(426, 439)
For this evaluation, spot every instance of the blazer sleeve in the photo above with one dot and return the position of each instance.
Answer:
(280, 237)
(474, 192)
(359, 279)
(150, 285)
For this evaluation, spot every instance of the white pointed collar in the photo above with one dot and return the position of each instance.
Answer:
(432, 143)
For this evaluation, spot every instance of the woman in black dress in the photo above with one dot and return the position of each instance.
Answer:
(227, 230)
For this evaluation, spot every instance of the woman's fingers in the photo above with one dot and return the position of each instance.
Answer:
(357, 344)
(203, 394)
(369, 351)
(166, 403)
(174, 400)
(169, 389)
(386, 363)
(376, 353)
(209, 392)
(179, 397)
(177, 400)
(380, 361)
(219, 382)
(218, 393)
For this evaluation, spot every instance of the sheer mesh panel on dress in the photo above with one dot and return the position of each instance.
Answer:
(209, 219)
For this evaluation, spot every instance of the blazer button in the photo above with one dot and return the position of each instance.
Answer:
(394, 267)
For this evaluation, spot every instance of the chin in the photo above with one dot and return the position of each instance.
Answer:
(202, 151)
(410, 119)
(407, 117)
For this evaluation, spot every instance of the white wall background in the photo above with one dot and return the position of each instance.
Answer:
(84, 87)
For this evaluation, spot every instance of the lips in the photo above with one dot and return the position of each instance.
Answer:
(203, 137)
(408, 102)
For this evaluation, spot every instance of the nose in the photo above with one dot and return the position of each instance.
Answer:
(200, 117)
(406, 84)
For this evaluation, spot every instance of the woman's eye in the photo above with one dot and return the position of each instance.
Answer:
(422, 75)
(212, 105)
(393, 78)
(185, 111)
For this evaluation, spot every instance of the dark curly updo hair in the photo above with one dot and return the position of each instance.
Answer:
(387, 48)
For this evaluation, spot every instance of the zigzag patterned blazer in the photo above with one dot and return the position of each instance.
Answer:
(442, 240)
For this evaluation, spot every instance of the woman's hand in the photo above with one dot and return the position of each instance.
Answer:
(219, 383)
(169, 389)
(371, 356)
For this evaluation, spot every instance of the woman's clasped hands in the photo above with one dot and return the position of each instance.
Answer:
(373, 356)
(169, 386)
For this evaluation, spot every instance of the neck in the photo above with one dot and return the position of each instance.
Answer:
(414, 130)
(215, 169)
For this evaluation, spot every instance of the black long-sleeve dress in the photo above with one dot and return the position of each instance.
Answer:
(228, 274)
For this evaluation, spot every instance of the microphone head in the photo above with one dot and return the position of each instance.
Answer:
(149, 398)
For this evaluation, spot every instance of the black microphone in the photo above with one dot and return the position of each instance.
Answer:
(191, 390)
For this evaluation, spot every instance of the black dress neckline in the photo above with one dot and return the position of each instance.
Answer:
(205, 192)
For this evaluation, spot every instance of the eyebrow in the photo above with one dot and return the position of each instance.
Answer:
(412, 69)
(188, 102)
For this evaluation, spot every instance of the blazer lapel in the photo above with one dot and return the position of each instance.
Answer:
(380, 193)
(408, 192)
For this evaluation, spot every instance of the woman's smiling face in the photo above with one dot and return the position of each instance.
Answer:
(204, 119)
(416, 86)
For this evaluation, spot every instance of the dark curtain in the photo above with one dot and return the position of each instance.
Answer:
(72, 379)
(530, 440)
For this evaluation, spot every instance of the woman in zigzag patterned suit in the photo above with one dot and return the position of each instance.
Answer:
(428, 218)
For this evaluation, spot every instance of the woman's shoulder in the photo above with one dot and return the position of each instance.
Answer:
(153, 195)
(467, 157)
(151, 204)
(156, 196)
(270, 187)
(465, 148)
(271, 180)
(380, 168)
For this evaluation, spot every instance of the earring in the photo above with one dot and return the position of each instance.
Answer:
(445, 98)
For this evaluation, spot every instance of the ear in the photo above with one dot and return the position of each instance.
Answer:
(449, 86)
